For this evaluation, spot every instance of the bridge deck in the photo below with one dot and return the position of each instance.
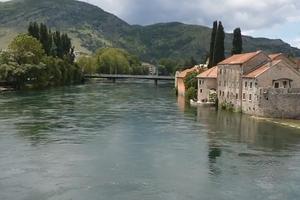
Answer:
(119, 76)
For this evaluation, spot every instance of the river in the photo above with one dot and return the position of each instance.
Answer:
(129, 141)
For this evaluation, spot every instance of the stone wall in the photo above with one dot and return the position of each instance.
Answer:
(279, 103)
(279, 71)
(181, 86)
(250, 96)
(205, 85)
(229, 82)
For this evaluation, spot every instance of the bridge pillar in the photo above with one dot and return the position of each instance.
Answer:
(156, 82)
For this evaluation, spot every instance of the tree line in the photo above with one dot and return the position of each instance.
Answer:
(39, 59)
(55, 44)
(112, 61)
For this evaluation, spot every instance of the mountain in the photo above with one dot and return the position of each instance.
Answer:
(91, 28)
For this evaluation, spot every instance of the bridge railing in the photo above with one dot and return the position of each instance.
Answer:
(125, 76)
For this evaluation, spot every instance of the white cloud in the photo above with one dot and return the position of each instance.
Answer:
(295, 42)
(249, 14)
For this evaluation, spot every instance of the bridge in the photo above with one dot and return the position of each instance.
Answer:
(114, 77)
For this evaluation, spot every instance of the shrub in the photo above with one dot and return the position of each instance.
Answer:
(191, 93)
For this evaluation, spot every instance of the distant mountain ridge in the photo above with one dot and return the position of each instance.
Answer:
(91, 28)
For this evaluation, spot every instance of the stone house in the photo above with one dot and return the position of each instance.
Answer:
(180, 78)
(207, 84)
(251, 82)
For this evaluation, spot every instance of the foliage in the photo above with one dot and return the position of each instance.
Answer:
(117, 61)
(191, 93)
(191, 80)
(189, 63)
(219, 50)
(227, 106)
(168, 66)
(55, 44)
(191, 85)
(26, 50)
(213, 97)
(87, 64)
(25, 64)
(237, 43)
(212, 44)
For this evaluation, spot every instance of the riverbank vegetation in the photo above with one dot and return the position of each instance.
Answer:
(39, 59)
(191, 85)
(112, 61)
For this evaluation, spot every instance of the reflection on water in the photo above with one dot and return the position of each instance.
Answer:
(137, 141)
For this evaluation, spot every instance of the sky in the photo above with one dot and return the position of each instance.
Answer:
(276, 19)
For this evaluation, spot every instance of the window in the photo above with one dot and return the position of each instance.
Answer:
(276, 85)
(237, 96)
(284, 84)
(251, 85)
(250, 97)
(201, 90)
(224, 83)
(220, 71)
(246, 84)
(223, 93)
(220, 93)
(244, 96)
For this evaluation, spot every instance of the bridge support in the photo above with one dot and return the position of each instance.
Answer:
(156, 82)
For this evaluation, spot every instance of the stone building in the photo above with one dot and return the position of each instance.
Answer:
(251, 82)
(180, 78)
(207, 84)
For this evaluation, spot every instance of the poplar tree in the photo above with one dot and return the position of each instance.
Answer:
(34, 30)
(212, 44)
(219, 50)
(237, 43)
(55, 44)
(45, 38)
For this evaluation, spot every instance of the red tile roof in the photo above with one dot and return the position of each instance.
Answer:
(239, 58)
(184, 73)
(261, 69)
(275, 56)
(210, 73)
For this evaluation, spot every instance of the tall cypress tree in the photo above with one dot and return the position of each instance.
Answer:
(45, 38)
(58, 44)
(55, 44)
(237, 43)
(34, 30)
(219, 50)
(212, 44)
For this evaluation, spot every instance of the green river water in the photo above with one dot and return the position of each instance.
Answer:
(135, 141)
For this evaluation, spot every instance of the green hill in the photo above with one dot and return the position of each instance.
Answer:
(91, 28)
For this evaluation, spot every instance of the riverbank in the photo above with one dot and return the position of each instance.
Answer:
(283, 122)
(6, 89)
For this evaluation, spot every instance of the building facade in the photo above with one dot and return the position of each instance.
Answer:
(247, 82)
(207, 84)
